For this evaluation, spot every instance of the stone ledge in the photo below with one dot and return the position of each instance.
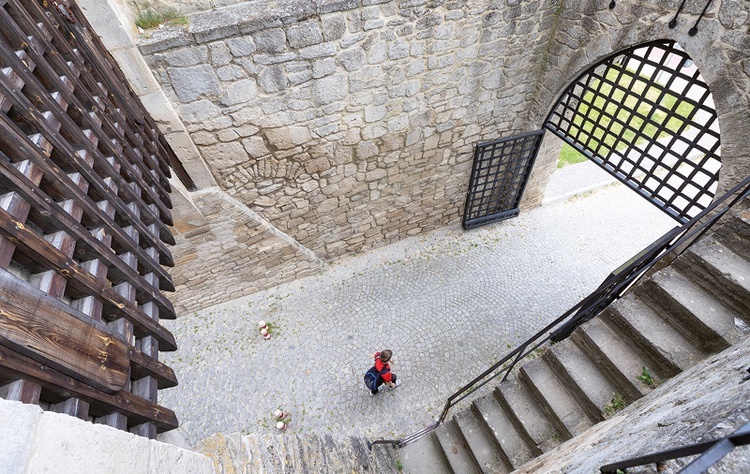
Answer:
(243, 18)
(32, 440)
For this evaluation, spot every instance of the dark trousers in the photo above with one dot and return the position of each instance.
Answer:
(381, 381)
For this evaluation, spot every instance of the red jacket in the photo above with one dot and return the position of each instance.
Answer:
(384, 369)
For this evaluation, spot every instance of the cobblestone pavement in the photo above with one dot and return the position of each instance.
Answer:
(448, 304)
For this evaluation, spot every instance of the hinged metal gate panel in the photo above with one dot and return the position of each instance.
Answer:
(498, 178)
(646, 116)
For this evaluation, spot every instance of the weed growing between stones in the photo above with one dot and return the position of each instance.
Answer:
(616, 404)
(646, 378)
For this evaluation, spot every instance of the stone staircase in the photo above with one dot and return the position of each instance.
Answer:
(696, 307)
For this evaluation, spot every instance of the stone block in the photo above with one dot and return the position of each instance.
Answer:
(330, 89)
(270, 41)
(136, 71)
(16, 435)
(333, 27)
(304, 34)
(239, 91)
(288, 137)
(199, 111)
(242, 46)
(74, 446)
(318, 51)
(190, 83)
(273, 79)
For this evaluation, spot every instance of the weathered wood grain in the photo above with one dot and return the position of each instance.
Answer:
(37, 326)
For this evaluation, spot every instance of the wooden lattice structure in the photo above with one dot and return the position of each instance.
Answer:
(84, 210)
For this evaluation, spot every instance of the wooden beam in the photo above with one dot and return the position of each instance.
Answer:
(27, 191)
(37, 326)
(21, 390)
(138, 410)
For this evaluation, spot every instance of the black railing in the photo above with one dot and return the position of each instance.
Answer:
(710, 452)
(672, 244)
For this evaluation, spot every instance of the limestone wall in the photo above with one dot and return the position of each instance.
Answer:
(346, 124)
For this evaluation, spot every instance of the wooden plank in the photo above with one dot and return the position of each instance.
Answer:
(37, 326)
(33, 244)
(145, 366)
(21, 390)
(138, 410)
(73, 407)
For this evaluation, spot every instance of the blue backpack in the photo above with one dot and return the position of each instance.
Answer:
(371, 379)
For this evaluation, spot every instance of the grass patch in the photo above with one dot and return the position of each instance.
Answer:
(149, 18)
(643, 108)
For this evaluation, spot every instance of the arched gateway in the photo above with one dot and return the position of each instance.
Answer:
(643, 114)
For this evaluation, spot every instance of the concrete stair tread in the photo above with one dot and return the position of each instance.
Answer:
(512, 445)
(569, 418)
(701, 316)
(590, 387)
(669, 350)
(480, 441)
(615, 356)
(423, 455)
(457, 452)
(530, 421)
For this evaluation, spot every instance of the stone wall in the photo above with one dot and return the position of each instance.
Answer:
(224, 251)
(346, 125)
(349, 125)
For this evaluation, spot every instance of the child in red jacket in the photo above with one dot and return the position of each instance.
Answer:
(381, 373)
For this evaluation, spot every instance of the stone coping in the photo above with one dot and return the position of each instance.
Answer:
(248, 17)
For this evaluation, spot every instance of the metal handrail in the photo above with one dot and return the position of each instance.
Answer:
(711, 452)
(614, 286)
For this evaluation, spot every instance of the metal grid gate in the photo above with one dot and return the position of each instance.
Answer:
(498, 177)
(84, 210)
(646, 116)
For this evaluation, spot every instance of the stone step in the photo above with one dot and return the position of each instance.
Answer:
(530, 421)
(423, 455)
(513, 449)
(456, 449)
(669, 351)
(700, 316)
(553, 397)
(590, 388)
(617, 358)
(481, 442)
(720, 271)
(735, 233)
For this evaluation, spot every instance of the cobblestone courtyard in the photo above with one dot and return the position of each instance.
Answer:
(449, 304)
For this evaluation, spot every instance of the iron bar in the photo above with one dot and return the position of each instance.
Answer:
(644, 115)
(711, 452)
(694, 30)
(673, 21)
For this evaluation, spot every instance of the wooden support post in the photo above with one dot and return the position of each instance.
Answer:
(21, 391)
